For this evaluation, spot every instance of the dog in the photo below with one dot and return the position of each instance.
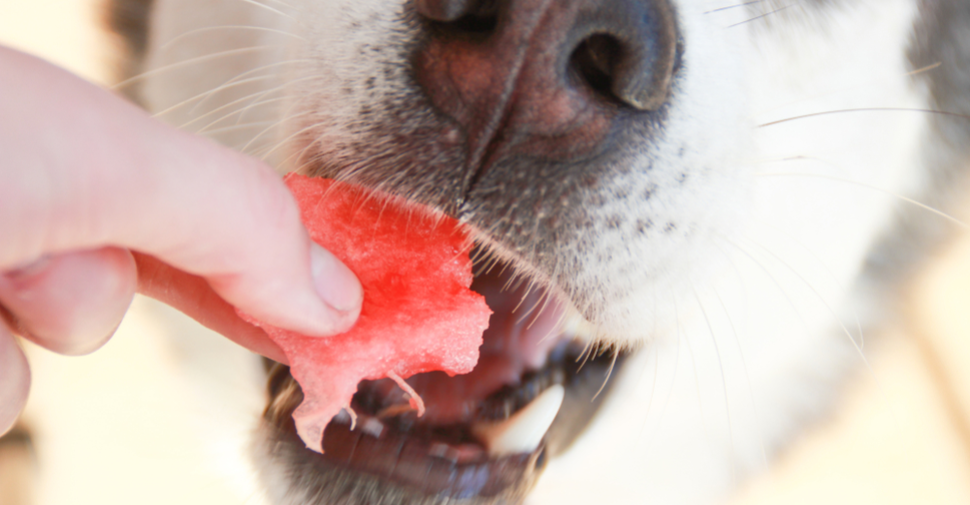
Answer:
(712, 202)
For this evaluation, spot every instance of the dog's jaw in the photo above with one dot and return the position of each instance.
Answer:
(739, 282)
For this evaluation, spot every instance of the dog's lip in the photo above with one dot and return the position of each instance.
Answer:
(430, 467)
(447, 462)
(442, 455)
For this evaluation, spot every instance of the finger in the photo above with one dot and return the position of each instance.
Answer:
(193, 296)
(90, 169)
(71, 303)
(14, 380)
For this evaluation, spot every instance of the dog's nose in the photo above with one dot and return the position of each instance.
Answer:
(523, 72)
(625, 48)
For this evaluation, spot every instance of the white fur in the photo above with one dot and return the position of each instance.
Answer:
(746, 319)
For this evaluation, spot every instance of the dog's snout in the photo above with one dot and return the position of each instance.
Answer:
(549, 75)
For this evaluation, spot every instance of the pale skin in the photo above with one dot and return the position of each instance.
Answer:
(99, 201)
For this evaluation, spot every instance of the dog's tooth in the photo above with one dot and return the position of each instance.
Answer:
(342, 417)
(373, 427)
(522, 432)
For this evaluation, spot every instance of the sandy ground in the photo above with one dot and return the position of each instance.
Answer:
(900, 437)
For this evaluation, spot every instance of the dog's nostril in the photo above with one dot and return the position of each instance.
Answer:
(594, 61)
(629, 51)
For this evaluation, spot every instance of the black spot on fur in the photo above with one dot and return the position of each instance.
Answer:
(648, 193)
(615, 221)
(644, 225)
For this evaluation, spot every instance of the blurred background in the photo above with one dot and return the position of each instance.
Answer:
(899, 436)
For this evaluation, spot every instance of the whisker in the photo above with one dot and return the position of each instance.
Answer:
(720, 367)
(299, 155)
(190, 61)
(584, 355)
(285, 141)
(747, 375)
(770, 276)
(546, 298)
(281, 122)
(258, 101)
(735, 6)
(697, 379)
(230, 83)
(259, 69)
(828, 270)
(528, 290)
(760, 17)
(927, 68)
(609, 373)
(821, 299)
(198, 31)
(513, 282)
(863, 86)
(868, 109)
(281, 2)
(211, 92)
(264, 6)
(653, 385)
(910, 201)
(241, 126)
(670, 390)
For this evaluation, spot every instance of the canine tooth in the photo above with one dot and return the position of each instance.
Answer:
(523, 431)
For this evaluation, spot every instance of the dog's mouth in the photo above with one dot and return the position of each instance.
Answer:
(485, 436)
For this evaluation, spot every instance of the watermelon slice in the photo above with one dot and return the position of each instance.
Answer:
(418, 313)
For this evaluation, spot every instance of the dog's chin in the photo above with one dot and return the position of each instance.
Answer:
(485, 437)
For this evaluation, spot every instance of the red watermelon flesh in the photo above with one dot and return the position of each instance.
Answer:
(418, 313)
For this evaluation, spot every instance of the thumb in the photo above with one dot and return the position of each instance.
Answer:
(104, 173)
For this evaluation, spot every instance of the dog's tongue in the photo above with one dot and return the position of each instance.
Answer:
(521, 333)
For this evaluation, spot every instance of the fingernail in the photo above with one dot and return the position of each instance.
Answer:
(335, 283)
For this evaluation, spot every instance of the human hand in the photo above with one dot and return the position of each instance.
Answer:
(98, 200)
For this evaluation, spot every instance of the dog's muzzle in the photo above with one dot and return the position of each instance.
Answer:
(527, 101)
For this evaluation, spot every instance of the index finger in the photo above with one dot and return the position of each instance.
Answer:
(194, 297)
